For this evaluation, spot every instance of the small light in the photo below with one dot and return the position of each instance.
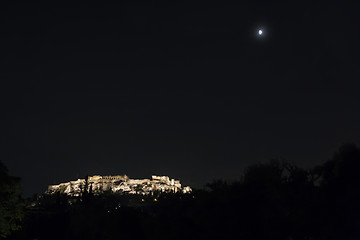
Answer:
(260, 32)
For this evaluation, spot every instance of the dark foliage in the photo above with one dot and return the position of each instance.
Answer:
(11, 205)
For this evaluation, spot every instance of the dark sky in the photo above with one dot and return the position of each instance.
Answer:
(180, 88)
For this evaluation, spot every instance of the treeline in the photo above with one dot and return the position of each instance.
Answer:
(272, 200)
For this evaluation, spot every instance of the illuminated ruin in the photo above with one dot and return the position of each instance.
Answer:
(120, 184)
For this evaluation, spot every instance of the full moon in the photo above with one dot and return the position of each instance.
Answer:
(260, 32)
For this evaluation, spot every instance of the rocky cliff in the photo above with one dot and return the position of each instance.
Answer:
(121, 184)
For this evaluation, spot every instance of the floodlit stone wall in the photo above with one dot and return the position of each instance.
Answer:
(120, 183)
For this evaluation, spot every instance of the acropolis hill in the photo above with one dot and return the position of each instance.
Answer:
(120, 184)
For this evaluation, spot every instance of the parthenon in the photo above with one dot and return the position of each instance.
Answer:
(120, 184)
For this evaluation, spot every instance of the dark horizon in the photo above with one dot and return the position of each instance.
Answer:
(187, 90)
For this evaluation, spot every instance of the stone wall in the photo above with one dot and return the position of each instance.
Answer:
(120, 183)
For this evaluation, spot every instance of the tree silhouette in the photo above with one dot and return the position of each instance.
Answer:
(267, 174)
(11, 204)
(339, 181)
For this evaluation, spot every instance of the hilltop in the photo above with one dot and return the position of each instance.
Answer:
(120, 184)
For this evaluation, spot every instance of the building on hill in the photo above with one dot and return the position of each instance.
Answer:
(120, 183)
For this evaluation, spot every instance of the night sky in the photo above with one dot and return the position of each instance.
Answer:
(181, 88)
